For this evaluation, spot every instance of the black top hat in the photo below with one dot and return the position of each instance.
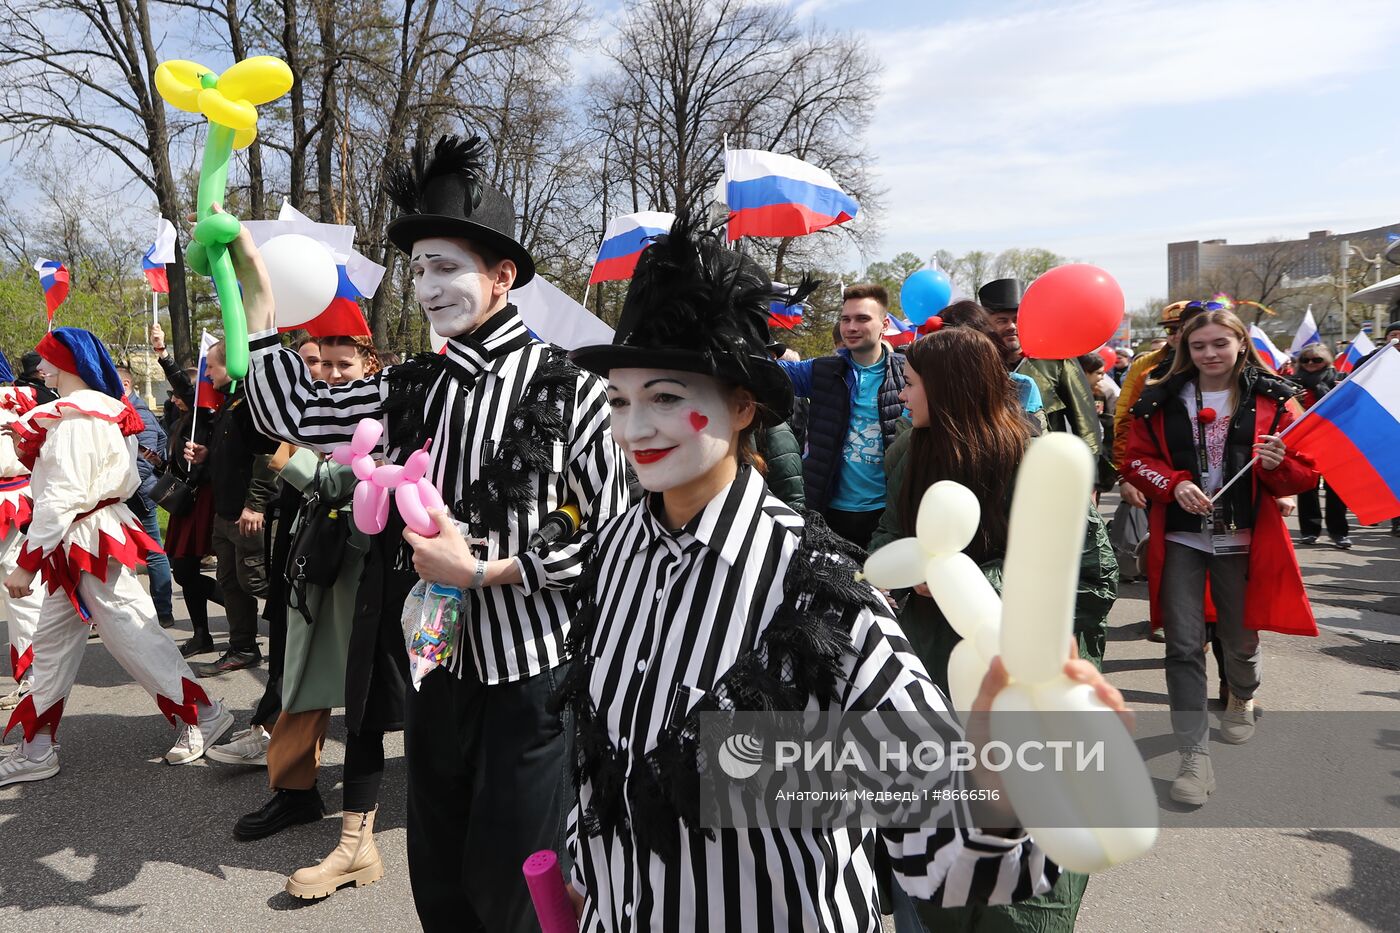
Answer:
(447, 195)
(696, 306)
(1000, 295)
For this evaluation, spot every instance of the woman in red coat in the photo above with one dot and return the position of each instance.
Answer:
(1217, 408)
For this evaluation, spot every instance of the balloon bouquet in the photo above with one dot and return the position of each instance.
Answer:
(228, 100)
(1066, 312)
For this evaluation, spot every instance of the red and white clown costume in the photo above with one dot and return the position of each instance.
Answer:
(22, 613)
(84, 541)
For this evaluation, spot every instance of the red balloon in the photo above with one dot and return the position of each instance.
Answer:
(1069, 311)
(1110, 359)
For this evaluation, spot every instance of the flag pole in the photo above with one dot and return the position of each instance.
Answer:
(155, 321)
(1255, 459)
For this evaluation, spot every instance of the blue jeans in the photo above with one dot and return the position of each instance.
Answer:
(158, 565)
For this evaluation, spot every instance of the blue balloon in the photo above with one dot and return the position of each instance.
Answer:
(924, 294)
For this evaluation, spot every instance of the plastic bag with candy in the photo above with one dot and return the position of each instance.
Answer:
(432, 627)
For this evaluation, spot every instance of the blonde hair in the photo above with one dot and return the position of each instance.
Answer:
(1249, 356)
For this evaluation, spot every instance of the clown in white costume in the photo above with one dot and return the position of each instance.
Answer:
(84, 541)
(21, 614)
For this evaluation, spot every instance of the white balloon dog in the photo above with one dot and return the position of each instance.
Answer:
(1032, 627)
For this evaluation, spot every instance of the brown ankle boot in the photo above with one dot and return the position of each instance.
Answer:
(354, 861)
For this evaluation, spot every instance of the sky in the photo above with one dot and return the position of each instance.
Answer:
(1105, 130)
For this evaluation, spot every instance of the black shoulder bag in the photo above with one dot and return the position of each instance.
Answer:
(318, 547)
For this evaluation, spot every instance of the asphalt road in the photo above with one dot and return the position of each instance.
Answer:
(119, 841)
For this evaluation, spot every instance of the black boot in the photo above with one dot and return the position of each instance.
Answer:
(286, 808)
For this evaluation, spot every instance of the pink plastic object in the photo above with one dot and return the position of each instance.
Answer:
(371, 508)
(366, 435)
(552, 904)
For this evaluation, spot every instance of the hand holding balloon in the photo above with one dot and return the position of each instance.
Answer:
(1012, 658)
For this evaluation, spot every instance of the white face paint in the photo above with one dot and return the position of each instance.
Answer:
(450, 284)
(674, 426)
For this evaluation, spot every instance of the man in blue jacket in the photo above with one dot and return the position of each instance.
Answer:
(151, 453)
(851, 420)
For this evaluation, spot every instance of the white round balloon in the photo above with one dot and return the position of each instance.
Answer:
(303, 275)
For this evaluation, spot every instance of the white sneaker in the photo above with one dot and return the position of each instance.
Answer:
(15, 696)
(195, 740)
(1237, 722)
(18, 767)
(248, 747)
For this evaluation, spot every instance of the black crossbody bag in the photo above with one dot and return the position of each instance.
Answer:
(318, 547)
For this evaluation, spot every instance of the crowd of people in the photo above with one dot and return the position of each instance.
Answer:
(723, 498)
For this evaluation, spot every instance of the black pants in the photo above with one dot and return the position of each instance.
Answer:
(856, 527)
(197, 589)
(1310, 513)
(488, 785)
(364, 770)
(270, 704)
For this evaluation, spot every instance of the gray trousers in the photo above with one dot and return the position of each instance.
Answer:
(1183, 591)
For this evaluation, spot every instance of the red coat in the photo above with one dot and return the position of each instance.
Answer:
(1275, 599)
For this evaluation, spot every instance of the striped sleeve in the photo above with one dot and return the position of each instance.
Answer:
(287, 405)
(597, 485)
(952, 866)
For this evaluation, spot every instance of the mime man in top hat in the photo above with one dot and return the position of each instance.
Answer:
(517, 431)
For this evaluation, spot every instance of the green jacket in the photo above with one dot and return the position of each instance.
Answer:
(778, 447)
(313, 672)
(1068, 400)
(929, 633)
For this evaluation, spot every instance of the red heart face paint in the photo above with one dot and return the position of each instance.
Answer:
(698, 421)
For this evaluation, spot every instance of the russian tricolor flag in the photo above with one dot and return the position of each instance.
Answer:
(1271, 354)
(53, 275)
(777, 195)
(624, 241)
(1357, 350)
(1353, 438)
(205, 395)
(898, 333)
(342, 316)
(780, 313)
(1307, 334)
(161, 252)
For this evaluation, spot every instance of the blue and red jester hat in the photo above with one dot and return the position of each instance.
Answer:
(80, 353)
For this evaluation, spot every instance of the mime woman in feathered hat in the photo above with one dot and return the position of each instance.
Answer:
(84, 543)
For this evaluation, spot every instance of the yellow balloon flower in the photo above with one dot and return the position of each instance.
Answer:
(229, 99)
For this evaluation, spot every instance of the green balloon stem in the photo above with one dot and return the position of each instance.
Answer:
(213, 185)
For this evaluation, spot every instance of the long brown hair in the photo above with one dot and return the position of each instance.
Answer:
(1182, 362)
(976, 434)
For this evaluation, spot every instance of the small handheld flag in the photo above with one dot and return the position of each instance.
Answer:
(53, 275)
(1353, 438)
(1271, 354)
(780, 313)
(897, 332)
(769, 194)
(205, 395)
(1307, 333)
(624, 241)
(1357, 350)
(162, 251)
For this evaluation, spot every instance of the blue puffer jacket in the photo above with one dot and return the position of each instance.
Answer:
(830, 382)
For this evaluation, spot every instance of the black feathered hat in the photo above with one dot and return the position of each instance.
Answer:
(696, 306)
(1000, 295)
(446, 194)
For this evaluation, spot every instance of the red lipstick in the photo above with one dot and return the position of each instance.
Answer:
(650, 456)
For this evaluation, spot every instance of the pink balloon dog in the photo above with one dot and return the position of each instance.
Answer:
(413, 493)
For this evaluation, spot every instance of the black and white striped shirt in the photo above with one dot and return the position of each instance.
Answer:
(676, 608)
(514, 631)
